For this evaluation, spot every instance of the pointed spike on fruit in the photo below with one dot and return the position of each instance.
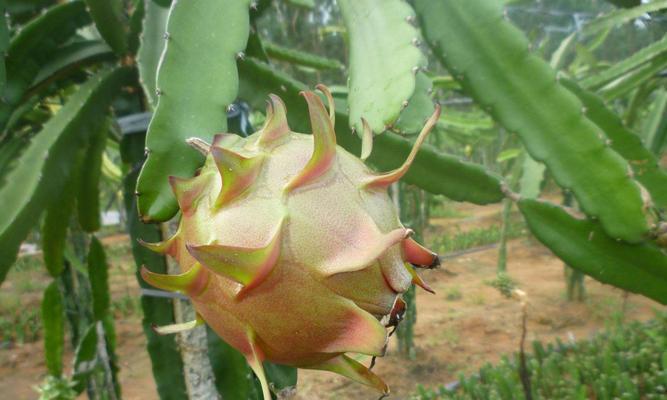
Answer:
(417, 280)
(199, 145)
(345, 366)
(384, 180)
(164, 247)
(177, 328)
(247, 266)
(366, 140)
(237, 172)
(192, 282)
(226, 140)
(186, 190)
(276, 125)
(364, 334)
(255, 359)
(418, 255)
(324, 138)
(332, 105)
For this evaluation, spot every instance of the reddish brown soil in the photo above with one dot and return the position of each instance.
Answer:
(454, 334)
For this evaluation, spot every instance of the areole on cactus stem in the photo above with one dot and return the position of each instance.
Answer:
(290, 247)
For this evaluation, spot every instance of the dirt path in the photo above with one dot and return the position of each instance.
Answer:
(464, 325)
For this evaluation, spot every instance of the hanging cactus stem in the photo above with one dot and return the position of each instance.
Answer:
(283, 222)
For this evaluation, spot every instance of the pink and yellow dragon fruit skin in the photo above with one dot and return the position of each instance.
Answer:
(291, 249)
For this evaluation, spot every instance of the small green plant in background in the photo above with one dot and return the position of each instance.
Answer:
(439, 207)
(454, 294)
(56, 388)
(476, 237)
(504, 283)
(19, 325)
(626, 361)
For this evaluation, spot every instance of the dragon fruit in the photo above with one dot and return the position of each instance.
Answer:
(290, 248)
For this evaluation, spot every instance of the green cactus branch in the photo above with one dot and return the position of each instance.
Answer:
(583, 245)
(621, 68)
(43, 167)
(631, 80)
(151, 47)
(644, 163)
(432, 171)
(298, 57)
(32, 48)
(110, 22)
(492, 61)
(197, 80)
(384, 60)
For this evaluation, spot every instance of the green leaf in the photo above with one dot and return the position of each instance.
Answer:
(656, 123)
(621, 16)
(167, 366)
(33, 46)
(98, 274)
(299, 57)
(4, 42)
(491, 59)
(69, 58)
(151, 47)
(136, 26)
(280, 376)
(583, 245)
(53, 326)
(432, 171)
(110, 22)
(233, 377)
(625, 3)
(508, 154)
(626, 143)
(464, 120)
(602, 24)
(635, 78)
(628, 64)
(88, 200)
(384, 58)
(44, 166)
(197, 81)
